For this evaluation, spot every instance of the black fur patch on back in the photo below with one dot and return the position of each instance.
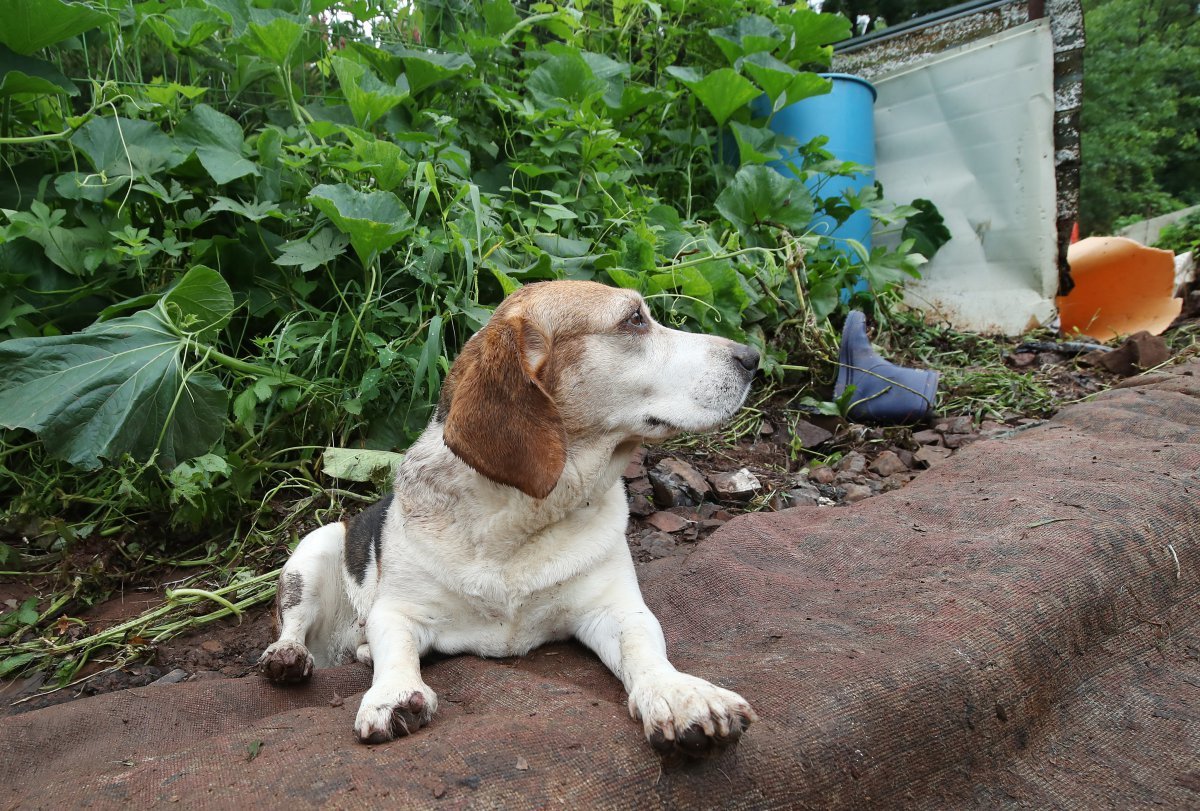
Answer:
(364, 535)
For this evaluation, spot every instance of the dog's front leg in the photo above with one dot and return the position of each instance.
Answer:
(399, 702)
(678, 712)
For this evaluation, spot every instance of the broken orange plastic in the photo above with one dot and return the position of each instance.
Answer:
(1121, 287)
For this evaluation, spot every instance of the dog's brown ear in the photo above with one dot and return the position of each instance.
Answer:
(498, 418)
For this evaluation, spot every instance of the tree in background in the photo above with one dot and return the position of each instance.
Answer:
(1141, 110)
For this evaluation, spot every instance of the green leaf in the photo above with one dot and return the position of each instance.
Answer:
(24, 74)
(811, 33)
(124, 147)
(275, 41)
(319, 249)
(118, 387)
(255, 211)
(758, 195)
(374, 220)
(14, 663)
(218, 142)
(723, 92)
(755, 144)
(425, 68)
(369, 98)
(750, 34)
(359, 464)
(30, 25)
(201, 303)
(782, 83)
(566, 81)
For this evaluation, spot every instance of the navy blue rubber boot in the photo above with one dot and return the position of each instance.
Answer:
(883, 392)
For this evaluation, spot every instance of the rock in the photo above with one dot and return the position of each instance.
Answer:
(206, 675)
(741, 485)
(212, 646)
(887, 463)
(1021, 360)
(853, 463)
(955, 425)
(677, 484)
(905, 457)
(857, 492)
(927, 437)
(634, 469)
(710, 525)
(658, 544)
(640, 506)
(802, 495)
(822, 475)
(1139, 352)
(810, 435)
(958, 440)
(931, 456)
(765, 428)
(667, 522)
(640, 486)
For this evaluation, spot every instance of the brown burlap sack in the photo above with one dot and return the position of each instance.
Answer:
(1016, 628)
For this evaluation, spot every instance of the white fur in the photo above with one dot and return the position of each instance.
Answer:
(472, 566)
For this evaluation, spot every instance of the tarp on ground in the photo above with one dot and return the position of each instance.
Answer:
(1018, 627)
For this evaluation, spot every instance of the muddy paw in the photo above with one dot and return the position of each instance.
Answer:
(286, 662)
(380, 721)
(689, 716)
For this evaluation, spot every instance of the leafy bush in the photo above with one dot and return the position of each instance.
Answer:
(1182, 236)
(236, 232)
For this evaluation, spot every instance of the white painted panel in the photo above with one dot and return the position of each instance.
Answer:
(972, 129)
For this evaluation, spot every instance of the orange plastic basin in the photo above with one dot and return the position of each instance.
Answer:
(1121, 287)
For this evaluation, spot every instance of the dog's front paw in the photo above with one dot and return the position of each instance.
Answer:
(387, 714)
(286, 662)
(682, 713)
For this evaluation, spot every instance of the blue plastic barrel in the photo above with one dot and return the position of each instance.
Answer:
(846, 116)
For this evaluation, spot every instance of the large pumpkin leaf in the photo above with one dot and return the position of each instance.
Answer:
(122, 386)
(758, 195)
(30, 25)
(750, 34)
(369, 98)
(374, 221)
(723, 91)
(218, 141)
(424, 67)
(24, 74)
(123, 147)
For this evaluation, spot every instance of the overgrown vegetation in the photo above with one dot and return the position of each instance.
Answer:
(236, 232)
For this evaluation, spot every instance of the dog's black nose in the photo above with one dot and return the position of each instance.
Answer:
(747, 357)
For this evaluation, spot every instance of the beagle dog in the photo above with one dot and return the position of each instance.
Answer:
(506, 525)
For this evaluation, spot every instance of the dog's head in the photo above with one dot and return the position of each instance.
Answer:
(564, 362)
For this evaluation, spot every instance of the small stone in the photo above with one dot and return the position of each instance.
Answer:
(853, 463)
(958, 440)
(634, 469)
(955, 425)
(1021, 360)
(857, 492)
(709, 525)
(822, 475)
(667, 522)
(207, 675)
(887, 463)
(640, 486)
(658, 544)
(765, 428)
(174, 677)
(522, 764)
(741, 485)
(927, 437)
(212, 646)
(802, 495)
(931, 456)
(721, 515)
(677, 484)
(991, 428)
(906, 458)
(336, 701)
(640, 506)
(810, 435)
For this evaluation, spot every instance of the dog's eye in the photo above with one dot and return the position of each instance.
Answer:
(637, 320)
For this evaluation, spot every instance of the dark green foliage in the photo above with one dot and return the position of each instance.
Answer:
(1141, 111)
(236, 232)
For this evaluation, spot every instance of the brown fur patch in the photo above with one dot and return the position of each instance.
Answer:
(498, 405)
